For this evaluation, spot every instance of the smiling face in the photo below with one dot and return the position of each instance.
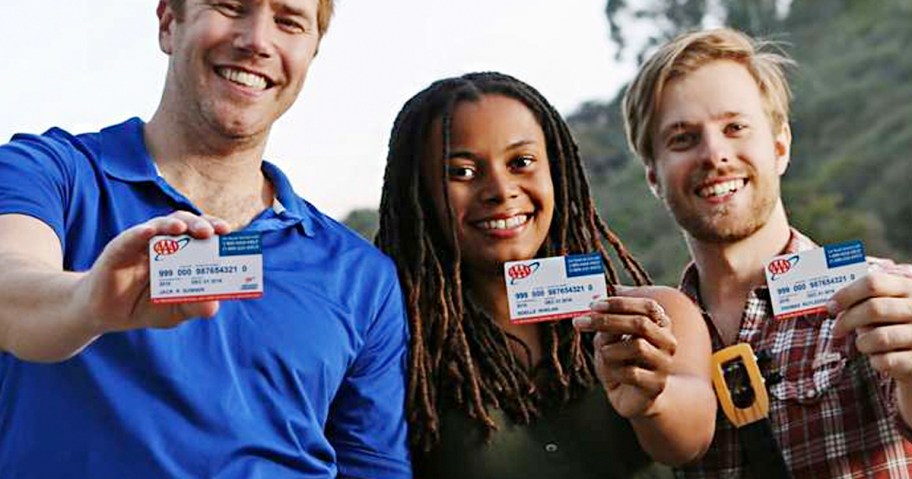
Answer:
(499, 182)
(237, 65)
(717, 158)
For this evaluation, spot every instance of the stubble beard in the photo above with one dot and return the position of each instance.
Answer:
(724, 224)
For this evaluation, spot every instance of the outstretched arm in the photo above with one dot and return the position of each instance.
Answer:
(48, 314)
(653, 357)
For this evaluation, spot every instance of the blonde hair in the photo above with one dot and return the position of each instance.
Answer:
(688, 52)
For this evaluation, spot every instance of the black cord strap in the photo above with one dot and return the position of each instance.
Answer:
(742, 394)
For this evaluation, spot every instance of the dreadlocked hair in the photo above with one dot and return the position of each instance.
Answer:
(459, 356)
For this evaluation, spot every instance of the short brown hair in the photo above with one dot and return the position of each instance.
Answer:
(324, 13)
(690, 51)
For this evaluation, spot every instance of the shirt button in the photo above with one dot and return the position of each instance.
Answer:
(551, 447)
(809, 394)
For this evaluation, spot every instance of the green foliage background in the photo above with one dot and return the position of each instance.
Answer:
(851, 170)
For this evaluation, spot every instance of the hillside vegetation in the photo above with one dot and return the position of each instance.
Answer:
(851, 165)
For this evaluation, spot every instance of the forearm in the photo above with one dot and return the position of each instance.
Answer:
(680, 426)
(40, 317)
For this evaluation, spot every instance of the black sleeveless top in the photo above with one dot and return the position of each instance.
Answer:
(584, 439)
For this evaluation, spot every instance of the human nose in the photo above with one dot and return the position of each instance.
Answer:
(715, 149)
(255, 33)
(499, 186)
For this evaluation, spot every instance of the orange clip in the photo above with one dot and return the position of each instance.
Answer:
(739, 385)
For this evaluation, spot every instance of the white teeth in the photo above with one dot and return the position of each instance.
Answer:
(504, 224)
(247, 79)
(720, 189)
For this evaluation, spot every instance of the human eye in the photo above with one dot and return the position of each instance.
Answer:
(681, 140)
(460, 172)
(735, 128)
(521, 162)
(230, 9)
(290, 24)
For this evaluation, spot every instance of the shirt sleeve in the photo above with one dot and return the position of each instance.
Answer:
(34, 179)
(367, 424)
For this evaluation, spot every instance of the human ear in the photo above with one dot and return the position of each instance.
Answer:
(165, 20)
(653, 182)
(783, 146)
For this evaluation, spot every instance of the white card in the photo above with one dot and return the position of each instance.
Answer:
(560, 287)
(183, 269)
(801, 283)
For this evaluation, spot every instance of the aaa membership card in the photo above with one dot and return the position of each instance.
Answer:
(560, 287)
(184, 269)
(801, 283)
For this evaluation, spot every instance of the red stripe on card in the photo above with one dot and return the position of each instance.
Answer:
(802, 312)
(549, 317)
(208, 297)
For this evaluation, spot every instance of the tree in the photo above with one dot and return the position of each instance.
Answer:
(665, 19)
(364, 221)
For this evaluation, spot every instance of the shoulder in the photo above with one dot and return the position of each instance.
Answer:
(347, 247)
(339, 232)
(67, 150)
(54, 143)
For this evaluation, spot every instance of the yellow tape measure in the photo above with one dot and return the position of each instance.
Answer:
(739, 385)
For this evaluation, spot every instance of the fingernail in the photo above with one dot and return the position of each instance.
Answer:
(832, 307)
(582, 322)
(599, 305)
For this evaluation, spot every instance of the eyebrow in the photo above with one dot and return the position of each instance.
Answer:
(285, 8)
(462, 154)
(683, 125)
(472, 156)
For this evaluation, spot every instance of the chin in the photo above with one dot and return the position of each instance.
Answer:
(238, 130)
(720, 233)
(234, 122)
(492, 262)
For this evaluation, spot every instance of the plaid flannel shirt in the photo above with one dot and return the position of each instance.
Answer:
(833, 415)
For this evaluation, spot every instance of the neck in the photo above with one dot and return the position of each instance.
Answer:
(490, 290)
(729, 271)
(221, 176)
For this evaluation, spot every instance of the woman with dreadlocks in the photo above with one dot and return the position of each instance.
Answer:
(482, 170)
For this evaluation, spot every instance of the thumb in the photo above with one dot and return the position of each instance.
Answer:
(204, 309)
(127, 246)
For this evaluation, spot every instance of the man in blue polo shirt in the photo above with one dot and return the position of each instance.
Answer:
(95, 381)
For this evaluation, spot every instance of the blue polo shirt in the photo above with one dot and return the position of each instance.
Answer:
(307, 381)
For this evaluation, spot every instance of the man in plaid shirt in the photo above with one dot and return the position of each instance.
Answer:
(708, 115)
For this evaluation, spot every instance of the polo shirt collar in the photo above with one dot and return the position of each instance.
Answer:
(288, 207)
(125, 157)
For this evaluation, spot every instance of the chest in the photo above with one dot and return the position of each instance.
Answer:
(286, 353)
(727, 322)
(585, 439)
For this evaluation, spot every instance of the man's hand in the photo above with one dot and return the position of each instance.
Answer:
(48, 314)
(634, 347)
(879, 307)
(115, 292)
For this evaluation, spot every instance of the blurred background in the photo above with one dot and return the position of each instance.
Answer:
(851, 166)
(851, 171)
(89, 63)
